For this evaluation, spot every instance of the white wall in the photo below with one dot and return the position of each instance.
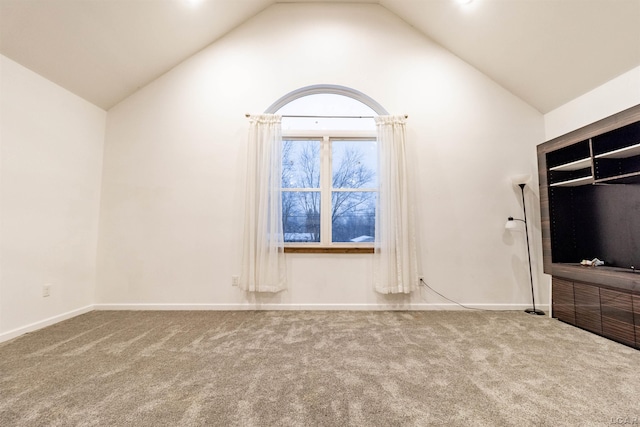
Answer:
(174, 165)
(51, 164)
(612, 97)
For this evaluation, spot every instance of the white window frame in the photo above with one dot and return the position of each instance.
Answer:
(326, 182)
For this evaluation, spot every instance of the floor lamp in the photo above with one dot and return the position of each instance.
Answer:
(510, 225)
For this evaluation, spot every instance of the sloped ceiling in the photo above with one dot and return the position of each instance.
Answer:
(546, 52)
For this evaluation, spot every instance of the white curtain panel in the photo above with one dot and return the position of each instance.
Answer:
(395, 257)
(263, 261)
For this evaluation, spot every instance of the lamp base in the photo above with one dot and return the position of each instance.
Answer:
(534, 311)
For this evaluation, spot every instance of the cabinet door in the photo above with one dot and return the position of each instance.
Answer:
(617, 316)
(587, 301)
(562, 300)
(636, 317)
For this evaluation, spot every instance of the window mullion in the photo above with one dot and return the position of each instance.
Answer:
(325, 217)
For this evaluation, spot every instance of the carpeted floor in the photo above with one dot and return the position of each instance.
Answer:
(297, 368)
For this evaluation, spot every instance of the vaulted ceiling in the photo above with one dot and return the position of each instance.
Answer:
(547, 52)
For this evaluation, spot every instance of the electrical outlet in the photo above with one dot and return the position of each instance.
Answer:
(46, 290)
(235, 280)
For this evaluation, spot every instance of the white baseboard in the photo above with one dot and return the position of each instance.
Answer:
(6, 336)
(346, 307)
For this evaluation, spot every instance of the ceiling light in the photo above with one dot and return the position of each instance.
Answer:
(463, 2)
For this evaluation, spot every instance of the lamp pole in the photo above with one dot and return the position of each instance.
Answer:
(526, 231)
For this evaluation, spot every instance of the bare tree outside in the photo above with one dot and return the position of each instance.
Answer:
(301, 208)
(352, 209)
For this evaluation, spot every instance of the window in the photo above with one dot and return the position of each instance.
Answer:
(329, 190)
(327, 138)
(329, 172)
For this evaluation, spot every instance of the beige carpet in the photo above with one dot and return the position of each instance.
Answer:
(292, 368)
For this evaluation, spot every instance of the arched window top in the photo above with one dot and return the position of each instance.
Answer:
(327, 89)
(348, 109)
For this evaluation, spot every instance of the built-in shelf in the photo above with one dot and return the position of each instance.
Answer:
(574, 182)
(601, 268)
(589, 198)
(622, 153)
(578, 164)
(629, 178)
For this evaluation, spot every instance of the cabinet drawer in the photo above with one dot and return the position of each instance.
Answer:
(563, 300)
(587, 302)
(617, 316)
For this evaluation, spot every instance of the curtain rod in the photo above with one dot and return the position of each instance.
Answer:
(327, 117)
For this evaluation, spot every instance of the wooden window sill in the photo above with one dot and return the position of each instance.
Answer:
(327, 250)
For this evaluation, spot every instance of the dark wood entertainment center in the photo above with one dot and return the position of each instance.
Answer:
(590, 208)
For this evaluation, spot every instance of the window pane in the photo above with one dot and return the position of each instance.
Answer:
(354, 164)
(353, 216)
(301, 164)
(301, 216)
(325, 104)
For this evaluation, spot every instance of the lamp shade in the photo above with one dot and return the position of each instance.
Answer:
(512, 225)
(520, 179)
